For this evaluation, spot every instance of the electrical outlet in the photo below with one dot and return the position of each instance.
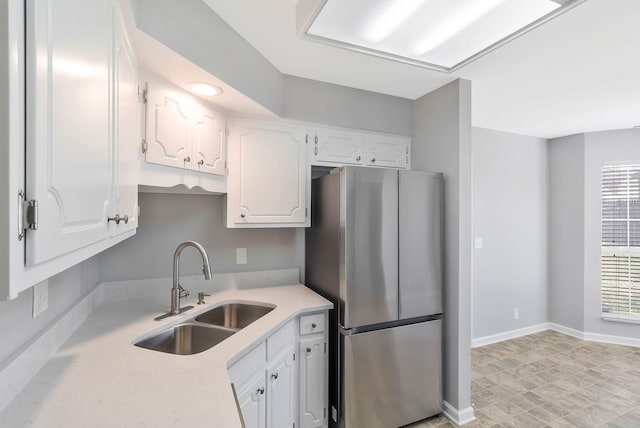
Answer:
(516, 313)
(40, 298)
(477, 243)
(241, 256)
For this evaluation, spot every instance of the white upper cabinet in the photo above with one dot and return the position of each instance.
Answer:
(209, 143)
(183, 133)
(269, 180)
(336, 145)
(81, 136)
(126, 133)
(69, 166)
(390, 151)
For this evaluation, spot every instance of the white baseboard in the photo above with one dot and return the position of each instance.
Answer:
(596, 337)
(19, 372)
(458, 417)
(511, 334)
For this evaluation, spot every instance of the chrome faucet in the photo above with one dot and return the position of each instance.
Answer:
(177, 292)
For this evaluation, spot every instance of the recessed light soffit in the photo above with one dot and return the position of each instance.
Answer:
(442, 35)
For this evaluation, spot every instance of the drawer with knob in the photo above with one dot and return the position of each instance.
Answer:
(312, 324)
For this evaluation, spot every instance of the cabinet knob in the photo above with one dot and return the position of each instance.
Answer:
(275, 375)
(242, 215)
(201, 162)
(187, 159)
(314, 325)
(373, 160)
(117, 219)
(359, 158)
(308, 350)
(260, 391)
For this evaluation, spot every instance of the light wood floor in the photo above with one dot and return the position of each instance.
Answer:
(549, 379)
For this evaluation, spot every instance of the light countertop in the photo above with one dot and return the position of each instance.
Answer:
(100, 379)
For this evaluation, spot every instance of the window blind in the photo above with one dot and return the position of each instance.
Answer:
(620, 257)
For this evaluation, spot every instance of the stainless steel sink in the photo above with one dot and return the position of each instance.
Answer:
(185, 339)
(234, 315)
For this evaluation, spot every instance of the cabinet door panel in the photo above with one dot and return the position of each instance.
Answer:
(388, 151)
(126, 132)
(69, 165)
(270, 175)
(313, 392)
(344, 147)
(209, 143)
(252, 403)
(168, 128)
(281, 391)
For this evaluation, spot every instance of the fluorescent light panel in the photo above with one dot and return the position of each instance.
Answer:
(442, 33)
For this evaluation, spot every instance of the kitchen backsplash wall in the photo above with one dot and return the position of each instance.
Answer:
(65, 289)
(168, 219)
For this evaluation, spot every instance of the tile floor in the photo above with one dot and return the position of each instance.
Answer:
(549, 379)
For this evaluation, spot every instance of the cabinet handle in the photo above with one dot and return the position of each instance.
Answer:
(118, 219)
(315, 151)
(187, 159)
(308, 350)
(260, 391)
(275, 375)
(373, 160)
(359, 158)
(201, 162)
(313, 325)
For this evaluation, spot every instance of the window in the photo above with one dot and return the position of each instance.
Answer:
(620, 257)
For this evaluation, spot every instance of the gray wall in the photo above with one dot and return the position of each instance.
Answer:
(168, 219)
(330, 104)
(442, 142)
(196, 32)
(65, 290)
(607, 146)
(510, 215)
(566, 231)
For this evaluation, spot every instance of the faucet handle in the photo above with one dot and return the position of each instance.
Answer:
(183, 292)
(201, 296)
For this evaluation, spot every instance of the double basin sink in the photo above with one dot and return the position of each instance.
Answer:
(205, 330)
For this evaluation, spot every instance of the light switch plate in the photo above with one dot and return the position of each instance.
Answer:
(241, 256)
(477, 243)
(40, 298)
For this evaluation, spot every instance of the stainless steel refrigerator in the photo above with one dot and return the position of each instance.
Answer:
(375, 250)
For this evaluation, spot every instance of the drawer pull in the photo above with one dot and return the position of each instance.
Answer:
(275, 375)
(314, 325)
(260, 391)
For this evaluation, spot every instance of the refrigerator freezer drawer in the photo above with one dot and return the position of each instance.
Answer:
(392, 377)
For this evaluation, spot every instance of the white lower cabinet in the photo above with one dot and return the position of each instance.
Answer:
(281, 390)
(282, 382)
(313, 400)
(253, 403)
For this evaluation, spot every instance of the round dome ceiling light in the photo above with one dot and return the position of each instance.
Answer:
(202, 88)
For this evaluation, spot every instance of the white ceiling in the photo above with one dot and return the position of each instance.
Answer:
(577, 73)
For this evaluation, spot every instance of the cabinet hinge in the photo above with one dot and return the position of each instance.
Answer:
(145, 146)
(28, 215)
(226, 129)
(316, 139)
(325, 413)
(306, 212)
(145, 95)
(306, 139)
(406, 151)
(325, 347)
(294, 356)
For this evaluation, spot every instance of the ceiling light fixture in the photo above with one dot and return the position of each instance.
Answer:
(206, 89)
(443, 35)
